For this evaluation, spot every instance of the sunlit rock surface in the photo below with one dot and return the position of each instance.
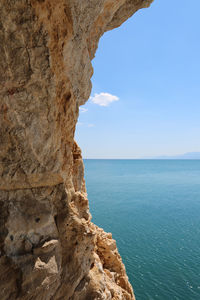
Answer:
(49, 249)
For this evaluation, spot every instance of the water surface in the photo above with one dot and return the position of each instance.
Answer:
(152, 208)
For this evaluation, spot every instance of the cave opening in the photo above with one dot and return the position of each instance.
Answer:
(139, 136)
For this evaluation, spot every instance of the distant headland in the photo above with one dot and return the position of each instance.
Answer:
(188, 155)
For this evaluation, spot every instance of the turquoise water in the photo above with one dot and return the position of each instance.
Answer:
(152, 208)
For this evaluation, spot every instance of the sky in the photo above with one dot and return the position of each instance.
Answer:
(145, 99)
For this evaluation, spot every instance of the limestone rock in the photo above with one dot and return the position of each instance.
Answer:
(49, 249)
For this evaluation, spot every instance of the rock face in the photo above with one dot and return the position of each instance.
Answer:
(49, 249)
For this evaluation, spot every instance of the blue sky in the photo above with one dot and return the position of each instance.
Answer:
(147, 77)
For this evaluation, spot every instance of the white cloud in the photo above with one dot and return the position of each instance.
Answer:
(103, 99)
(90, 125)
(85, 124)
(83, 110)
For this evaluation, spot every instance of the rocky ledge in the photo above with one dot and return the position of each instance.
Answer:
(49, 249)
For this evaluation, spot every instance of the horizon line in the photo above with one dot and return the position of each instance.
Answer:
(145, 158)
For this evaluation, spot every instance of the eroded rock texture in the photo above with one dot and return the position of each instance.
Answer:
(49, 249)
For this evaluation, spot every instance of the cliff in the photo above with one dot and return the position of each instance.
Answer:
(49, 249)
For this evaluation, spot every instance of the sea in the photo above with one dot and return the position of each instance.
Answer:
(152, 208)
